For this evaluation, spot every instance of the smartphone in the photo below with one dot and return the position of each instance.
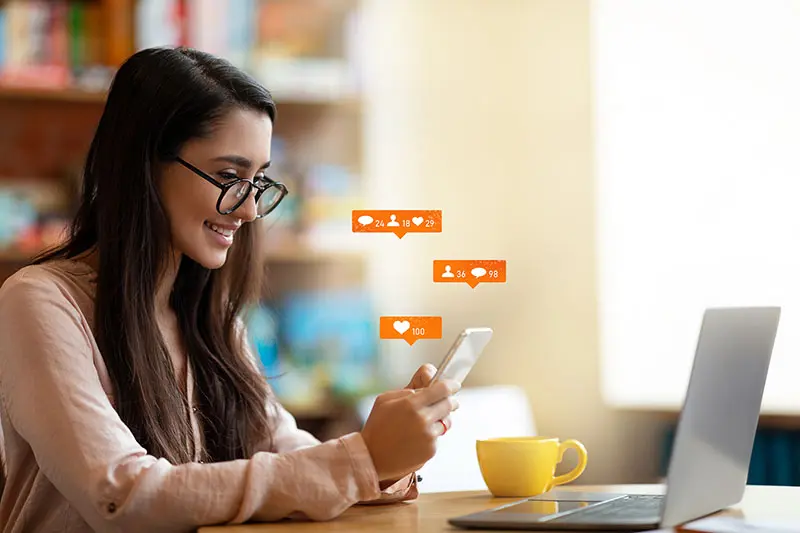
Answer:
(463, 354)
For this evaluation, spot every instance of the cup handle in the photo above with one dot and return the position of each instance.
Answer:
(578, 470)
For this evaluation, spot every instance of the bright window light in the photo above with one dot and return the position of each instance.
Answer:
(697, 131)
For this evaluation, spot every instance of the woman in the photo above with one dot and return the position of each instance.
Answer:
(129, 398)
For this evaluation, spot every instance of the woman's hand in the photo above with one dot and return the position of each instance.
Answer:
(401, 431)
(422, 377)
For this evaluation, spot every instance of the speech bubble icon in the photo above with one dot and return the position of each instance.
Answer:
(478, 272)
(365, 219)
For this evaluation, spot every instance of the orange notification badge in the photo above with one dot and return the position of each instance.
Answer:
(469, 272)
(398, 222)
(411, 328)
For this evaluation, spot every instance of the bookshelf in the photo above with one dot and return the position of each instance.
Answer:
(65, 95)
(56, 60)
(77, 95)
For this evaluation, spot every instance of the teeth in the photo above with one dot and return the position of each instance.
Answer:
(221, 231)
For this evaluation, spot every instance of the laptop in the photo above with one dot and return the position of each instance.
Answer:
(711, 451)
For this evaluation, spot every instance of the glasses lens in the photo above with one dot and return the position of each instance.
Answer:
(269, 199)
(234, 197)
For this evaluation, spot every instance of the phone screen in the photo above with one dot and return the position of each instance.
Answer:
(463, 355)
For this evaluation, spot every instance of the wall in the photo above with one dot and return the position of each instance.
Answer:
(482, 108)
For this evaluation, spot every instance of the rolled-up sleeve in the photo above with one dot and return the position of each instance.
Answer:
(288, 437)
(54, 399)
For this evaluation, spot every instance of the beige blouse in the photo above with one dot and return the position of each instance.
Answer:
(72, 465)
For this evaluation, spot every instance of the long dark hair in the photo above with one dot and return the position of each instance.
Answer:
(159, 99)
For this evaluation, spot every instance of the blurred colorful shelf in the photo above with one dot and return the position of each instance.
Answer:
(76, 95)
(54, 94)
(12, 255)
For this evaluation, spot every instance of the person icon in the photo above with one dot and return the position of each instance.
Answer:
(447, 273)
(393, 222)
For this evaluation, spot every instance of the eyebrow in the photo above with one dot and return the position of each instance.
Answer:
(239, 161)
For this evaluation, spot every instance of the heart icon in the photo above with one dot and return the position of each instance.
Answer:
(417, 220)
(401, 327)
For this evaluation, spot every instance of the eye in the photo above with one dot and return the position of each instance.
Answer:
(228, 175)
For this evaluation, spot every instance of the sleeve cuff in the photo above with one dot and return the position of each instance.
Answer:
(363, 468)
(404, 489)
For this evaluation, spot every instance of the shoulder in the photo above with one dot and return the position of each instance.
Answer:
(58, 282)
(45, 317)
(30, 280)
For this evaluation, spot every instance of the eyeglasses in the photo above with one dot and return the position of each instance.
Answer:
(234, 193)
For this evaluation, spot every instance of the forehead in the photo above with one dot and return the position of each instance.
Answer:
(240, 131)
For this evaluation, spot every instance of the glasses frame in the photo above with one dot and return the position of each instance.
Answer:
(225, 187)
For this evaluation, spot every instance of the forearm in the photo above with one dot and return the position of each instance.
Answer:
(151, 495)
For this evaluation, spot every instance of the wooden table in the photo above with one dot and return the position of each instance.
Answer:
(430, 512)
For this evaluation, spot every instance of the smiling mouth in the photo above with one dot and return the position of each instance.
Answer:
(222, 231)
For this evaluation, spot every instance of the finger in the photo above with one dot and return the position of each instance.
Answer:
(436, 392)
(422, 377)
(393, 395)
(441, 409)
(440, 427)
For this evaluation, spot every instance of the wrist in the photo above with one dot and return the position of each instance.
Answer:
(372, 454)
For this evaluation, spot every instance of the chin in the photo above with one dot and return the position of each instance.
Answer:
(217, 262)
(205, 249)
(209, 259)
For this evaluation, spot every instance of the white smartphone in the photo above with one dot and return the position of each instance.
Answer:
(463, 354)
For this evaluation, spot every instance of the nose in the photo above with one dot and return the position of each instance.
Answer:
(248, 210)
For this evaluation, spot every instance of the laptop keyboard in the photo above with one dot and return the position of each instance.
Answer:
(630, 508)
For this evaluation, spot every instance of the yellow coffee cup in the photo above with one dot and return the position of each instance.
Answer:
(521, 467)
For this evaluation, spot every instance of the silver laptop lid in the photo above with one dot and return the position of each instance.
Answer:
(714, 438)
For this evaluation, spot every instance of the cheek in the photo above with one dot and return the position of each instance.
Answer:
(189, 205)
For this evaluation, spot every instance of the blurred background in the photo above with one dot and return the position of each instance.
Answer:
(564, 136)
